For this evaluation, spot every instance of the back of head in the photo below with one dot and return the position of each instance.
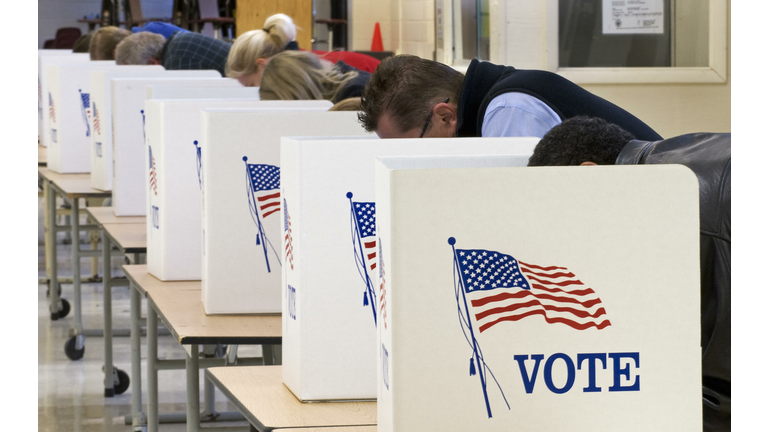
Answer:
(82, 43)
(406, 88)
(350, 104)
(139, 48)
(278, 31)
(301, 75)
(580, 139)
(104, 41)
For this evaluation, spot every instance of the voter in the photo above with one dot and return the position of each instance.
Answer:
(409, 97)
(301, 75)
(593, 141)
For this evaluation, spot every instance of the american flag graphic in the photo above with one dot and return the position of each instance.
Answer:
(265, 180)
(51, 108)
(365, 218)
(96, 122)
(86, 110)
(288, 235)
(363, 226)
(263, 200)
(152, 172)
(501, 288)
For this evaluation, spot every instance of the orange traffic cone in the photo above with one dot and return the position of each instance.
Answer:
(376, 44)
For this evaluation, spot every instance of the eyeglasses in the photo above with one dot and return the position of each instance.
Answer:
(429, 118)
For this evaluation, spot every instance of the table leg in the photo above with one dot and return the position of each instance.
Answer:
(209, 408)
(106, 254)
(50, 246)
(138, 416)
(76, 272)
(193, 389)
(153, 421)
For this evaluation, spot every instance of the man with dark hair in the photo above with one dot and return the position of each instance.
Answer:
(588, 141)
(410, 97)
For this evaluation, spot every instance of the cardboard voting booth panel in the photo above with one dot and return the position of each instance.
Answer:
(70, 124)
(45, 110)
(242, 226)
(129, 134)
(330, 272)
(174, 181)
(556, 298)
(44, 52)
(235, 91)
(101, 119)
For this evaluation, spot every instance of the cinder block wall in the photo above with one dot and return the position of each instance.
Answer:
(407, 26)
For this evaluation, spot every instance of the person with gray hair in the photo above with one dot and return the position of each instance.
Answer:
(182, 51)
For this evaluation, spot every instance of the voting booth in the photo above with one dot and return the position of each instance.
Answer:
(46, 111)
(44, 52)
(552, 298)
(174, 181)
(129, 134)
(330, 249)
(242, 226)
(70, 122)
(101, 119)
(184, 92)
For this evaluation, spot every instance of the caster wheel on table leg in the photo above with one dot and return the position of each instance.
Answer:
(123, 382)
(71, 350)
(63, 311)
(65, 308)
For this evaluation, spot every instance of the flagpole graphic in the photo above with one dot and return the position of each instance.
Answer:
(199, 164)
(263, 197)
(363, 225)
(466, 323)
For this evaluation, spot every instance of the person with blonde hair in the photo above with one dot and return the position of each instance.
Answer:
(252, 50)
(301, 75)
(104, 41)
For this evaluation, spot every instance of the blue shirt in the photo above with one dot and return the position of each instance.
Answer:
(518, 115)
(158, 27)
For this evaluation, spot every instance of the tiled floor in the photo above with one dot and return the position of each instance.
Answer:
(71, 393)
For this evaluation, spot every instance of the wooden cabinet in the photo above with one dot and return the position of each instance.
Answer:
(251, 15)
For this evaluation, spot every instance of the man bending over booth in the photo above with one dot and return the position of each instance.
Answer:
(409, 97)
(592, 141)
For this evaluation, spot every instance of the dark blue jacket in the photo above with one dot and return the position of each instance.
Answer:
(484, 81)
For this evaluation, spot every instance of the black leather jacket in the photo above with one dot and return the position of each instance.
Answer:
(709, 157)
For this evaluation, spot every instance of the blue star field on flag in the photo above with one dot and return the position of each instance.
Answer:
(365, 213)
(485, 270)
(264, 177)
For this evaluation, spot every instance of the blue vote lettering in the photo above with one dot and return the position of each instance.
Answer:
(632, 380)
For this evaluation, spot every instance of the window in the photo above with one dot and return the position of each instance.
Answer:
(638, 41)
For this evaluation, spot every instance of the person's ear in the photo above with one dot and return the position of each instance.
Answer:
(588, 163)
(153, 61)
(446, 118)
(261, 63)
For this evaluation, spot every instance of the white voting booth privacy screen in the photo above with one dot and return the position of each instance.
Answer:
(183, 92)
(242, 226)
(101, 118)
(69, 126)
(129, 184)
(46, 111)
(43, 52)
(330, 249)
(538, 299)
(174, 182)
